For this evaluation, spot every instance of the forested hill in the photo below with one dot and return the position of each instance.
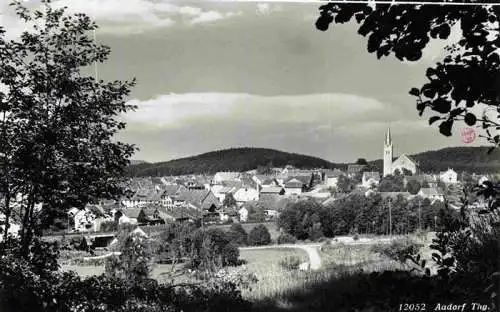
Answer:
(470, 159)
(235, 159)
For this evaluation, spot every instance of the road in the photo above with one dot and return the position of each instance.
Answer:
(310, 249)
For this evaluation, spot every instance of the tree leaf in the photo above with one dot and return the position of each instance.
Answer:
(444, 31)
(414, 92)
(441, 105)
(433, 119)
(445, 127)
(470, 119)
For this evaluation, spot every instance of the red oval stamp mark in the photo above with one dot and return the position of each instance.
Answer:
(468, 135)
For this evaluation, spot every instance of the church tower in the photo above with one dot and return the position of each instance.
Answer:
(388, 153)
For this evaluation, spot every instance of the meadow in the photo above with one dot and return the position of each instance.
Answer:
(278, 285)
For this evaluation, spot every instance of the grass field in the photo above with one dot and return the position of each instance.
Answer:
(272, 278)
(160, 271)
(276, 285)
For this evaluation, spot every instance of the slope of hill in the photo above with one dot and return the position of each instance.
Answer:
(469, 159)
(234, 159)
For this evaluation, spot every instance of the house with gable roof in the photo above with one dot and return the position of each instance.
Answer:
(197, 199)
(331, 177)
(431, 193)
(294, 187)
(448, 176)
(220, 177)
(246, 194)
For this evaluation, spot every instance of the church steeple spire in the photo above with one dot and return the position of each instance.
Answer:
(388, 140)
(388, 153)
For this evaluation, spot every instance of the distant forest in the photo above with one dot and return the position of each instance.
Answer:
(234, 159)
(469, 159)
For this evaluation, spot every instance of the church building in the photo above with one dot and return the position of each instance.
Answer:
(403, 162)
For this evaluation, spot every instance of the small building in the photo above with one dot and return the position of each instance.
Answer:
(331, 177)
(354, 169)
(89, 219)
(246, 194)
(370, 179)
(448, 176)
(272, 190)
(132, 214)
(294, 187)
(243, 214)
(431, 193)
(220, 177)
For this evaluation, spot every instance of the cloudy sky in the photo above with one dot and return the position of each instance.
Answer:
(214, 75)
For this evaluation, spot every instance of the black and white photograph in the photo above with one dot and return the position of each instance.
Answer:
(280, 155)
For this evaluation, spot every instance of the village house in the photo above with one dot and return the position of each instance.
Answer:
(354, 169)
(370, 179)
(395, 195)
(197, 199)
(294, 187)
(143, 197)
(220, 177)
(220, 192)
(179, 214)
(448, 176)
(422, 179)
(431, 193)
(130, 215)
(271, 191)
(89, 219)
(331, 177)
(246, 194)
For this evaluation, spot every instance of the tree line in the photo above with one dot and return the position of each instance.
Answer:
(358, 214)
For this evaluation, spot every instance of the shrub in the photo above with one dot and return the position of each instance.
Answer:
(286, 238)
(211, 249)
(259, 235)
(79, 243)
(134, 264)
(290, 263)
(237, 235)
(398, 249)
(355, 237)
(109, 226)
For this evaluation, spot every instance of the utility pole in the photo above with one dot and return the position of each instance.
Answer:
(390, 218)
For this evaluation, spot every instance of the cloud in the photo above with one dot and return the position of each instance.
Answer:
(333, 126)
(175, 109)
(266, 8)
(211, 16)
(137, 16)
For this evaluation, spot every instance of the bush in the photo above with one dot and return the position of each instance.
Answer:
(355, 237)
(237, 235)
(286, 238)
(134, 264)
(109, 226)
(211, 249)
(259, 235)
(290, 263)
(398, 249)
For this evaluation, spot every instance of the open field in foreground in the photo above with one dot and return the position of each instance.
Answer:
(278, 286)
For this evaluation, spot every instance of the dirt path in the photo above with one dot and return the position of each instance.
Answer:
(310, 249)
